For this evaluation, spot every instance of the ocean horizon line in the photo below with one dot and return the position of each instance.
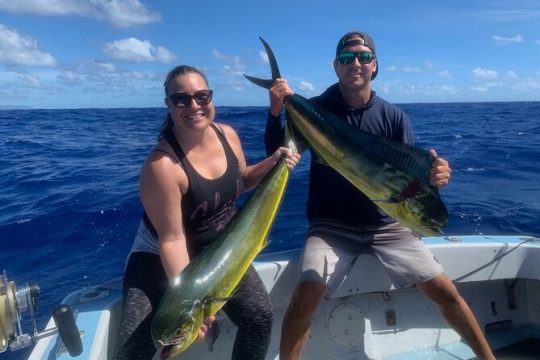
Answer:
(27, 108)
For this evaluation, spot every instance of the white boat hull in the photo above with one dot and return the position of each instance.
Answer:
(499, 276)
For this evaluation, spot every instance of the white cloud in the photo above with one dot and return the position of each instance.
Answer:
(124, 13)
(506, 15)
(164, 55)
(411, 69)
(306, 86)
(485, 73)
(46, 7)
(493, 84)
(233, 64)
(511, 74)
(451, 89)
(119, 13)
(20, 50)
(104, 76)
(427, 90)
(479, 88)
(232, 70)
(444, 74)
(30, 80)
(537, 42)
(486, 86)
(103, 66)
(501, 40)
(231, 59)
(391, 68)
(231, 74)
(69, 77)
(135, 50)
(528, 84)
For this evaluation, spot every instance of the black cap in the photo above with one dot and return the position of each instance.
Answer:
(357, 38)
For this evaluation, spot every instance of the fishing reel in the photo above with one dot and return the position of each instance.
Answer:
(14, 302)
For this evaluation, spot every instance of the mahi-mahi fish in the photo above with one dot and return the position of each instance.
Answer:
(395, 176)
(209, 280)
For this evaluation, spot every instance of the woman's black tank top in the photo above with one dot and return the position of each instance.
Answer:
(208, 205)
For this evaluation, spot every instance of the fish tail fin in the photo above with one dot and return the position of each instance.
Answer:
(273, 67)
(271, 59)
(261, 82)
(291, 141)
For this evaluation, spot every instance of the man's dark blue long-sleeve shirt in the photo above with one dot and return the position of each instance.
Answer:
(331, 196)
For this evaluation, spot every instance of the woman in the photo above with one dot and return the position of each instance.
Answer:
(189, 184)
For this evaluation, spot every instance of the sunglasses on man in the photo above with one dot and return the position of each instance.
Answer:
(347, 57)
(201, 97)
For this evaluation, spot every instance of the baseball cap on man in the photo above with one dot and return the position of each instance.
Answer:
(357, 38)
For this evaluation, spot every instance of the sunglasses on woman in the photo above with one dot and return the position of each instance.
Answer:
(201, 97)
(347, 57)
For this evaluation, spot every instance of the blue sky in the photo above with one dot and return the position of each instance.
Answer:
(116, 53)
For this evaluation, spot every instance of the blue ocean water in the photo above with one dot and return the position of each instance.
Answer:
(69, 205)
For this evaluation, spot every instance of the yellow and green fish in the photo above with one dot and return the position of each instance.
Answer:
(395, 176)
(206, 283)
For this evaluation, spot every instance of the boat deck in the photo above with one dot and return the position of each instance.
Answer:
(367, 318)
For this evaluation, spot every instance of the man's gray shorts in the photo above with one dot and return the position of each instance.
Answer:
(331, 249)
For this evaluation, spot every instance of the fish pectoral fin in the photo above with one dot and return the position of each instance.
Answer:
(210, 302)
(216, 300)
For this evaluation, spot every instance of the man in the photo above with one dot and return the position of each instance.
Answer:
(344, 223)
